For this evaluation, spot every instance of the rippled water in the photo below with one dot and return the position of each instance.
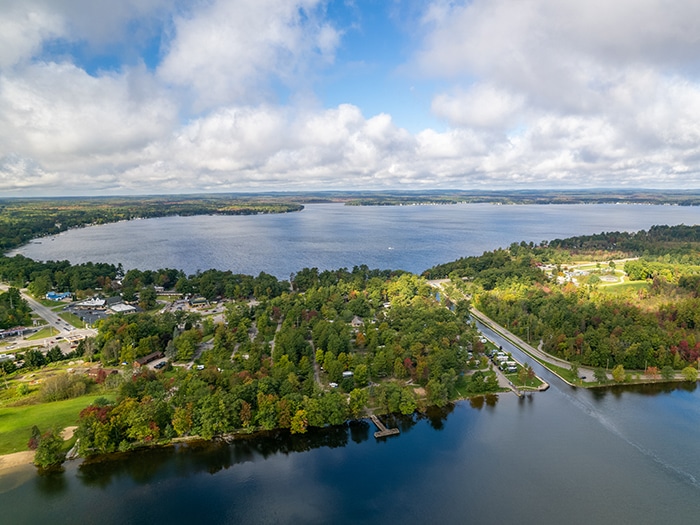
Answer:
(331, 236)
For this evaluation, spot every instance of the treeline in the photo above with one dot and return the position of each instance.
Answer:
(496, 267)
(392, 198)
(24, 219)
(61, 276)
(14, 310)
(87, 278)
(599, 330)
(671, 241)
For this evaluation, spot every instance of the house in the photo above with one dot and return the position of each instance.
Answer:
(198, 301)
(356, 322)
(54, 296)
(141, 361)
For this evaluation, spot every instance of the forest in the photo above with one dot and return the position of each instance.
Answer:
(351, 341)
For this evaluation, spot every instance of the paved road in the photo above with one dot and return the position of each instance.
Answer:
(65, 329)
(535, 352)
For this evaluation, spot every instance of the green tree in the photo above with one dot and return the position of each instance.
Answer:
(299, 422)
(186, 344)
(361, 375)
(358, 401)
(34, 359)
(437, 393)
(49, 452)
(668, 373)
(40, 286)
(54, 355)
(600, 375)
(690, 373)
(407, 404)
(110, 351)
(618, 373)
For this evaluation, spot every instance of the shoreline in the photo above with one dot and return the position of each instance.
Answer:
(16, 461)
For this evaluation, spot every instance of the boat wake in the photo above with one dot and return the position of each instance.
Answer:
(609, 425)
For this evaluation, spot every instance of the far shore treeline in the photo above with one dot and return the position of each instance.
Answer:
(328, 345)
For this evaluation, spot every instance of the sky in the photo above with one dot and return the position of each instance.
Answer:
(105, 97)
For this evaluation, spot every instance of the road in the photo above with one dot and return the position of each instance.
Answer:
(65, 329)
(505, 336)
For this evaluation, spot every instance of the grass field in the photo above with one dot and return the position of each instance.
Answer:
(72, 319)
(16, 422)
(49, 331)
(622, 288)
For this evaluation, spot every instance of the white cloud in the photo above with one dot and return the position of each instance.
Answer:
(233, 51)
(482, 106)
(532, 92)
(23, 29)
(26, 25)
(58, 113)
(594, 89)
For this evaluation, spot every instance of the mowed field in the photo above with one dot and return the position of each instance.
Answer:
(16, 422)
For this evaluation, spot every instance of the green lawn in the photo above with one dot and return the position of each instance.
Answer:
(621, 288)
(72, 319)
(535, 382)
(49, 331)
(48, 303)
(16, 422)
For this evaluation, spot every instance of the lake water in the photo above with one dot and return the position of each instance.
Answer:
(623, 455)
(332, 236)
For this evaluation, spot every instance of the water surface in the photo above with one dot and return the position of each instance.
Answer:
(332, 236)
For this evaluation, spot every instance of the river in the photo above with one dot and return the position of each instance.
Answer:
(567, 455)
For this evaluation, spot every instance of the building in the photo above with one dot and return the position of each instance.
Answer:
(91, 304)
(122, 308)
(55, 296)
(141, 361)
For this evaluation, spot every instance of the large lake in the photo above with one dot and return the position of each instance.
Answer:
(332, 236)
(623, 455)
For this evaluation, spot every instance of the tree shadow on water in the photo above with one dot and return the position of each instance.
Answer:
(51, 483)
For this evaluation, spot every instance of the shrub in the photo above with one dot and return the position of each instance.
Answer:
(63, 386)
(49, 452)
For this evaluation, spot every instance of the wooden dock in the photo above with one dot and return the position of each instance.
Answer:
(383, 431)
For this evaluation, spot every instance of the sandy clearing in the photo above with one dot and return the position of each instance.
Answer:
(17, 459)
(67, 433)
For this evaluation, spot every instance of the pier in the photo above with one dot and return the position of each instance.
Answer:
(383, 431)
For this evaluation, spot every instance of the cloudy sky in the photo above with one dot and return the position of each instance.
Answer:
(101, 97)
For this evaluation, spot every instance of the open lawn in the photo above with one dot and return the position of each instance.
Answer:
(16, 422)
(535, 382)
(623, 288)
(72, 319)
(49, 331)
(48, 303)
